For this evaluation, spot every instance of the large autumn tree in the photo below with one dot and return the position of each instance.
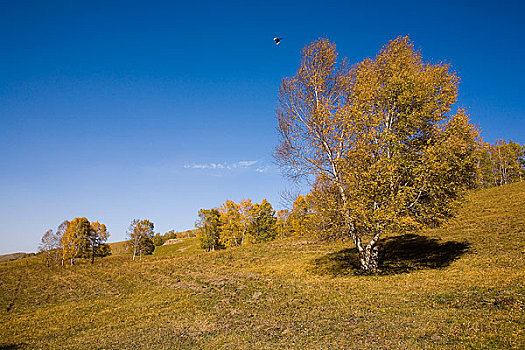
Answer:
(379, 140)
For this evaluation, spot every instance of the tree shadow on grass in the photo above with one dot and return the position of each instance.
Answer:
(11, 346)
(398, 254)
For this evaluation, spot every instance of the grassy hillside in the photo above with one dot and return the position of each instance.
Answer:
(461, 286)
(118, 248)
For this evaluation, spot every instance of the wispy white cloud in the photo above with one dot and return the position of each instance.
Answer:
(246, 163)
(243, 164)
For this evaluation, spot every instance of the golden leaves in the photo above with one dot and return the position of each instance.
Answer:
(373, 132)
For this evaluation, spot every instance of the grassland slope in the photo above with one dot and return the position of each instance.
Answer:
(14, 256)
(459, 286)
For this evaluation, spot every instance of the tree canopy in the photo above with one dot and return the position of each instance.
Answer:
(140, 237)
(235, 224)
(209, 229)
(378, 139)
(81, 239)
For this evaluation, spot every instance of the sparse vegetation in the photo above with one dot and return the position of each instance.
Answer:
(459, 286)
(159, 239)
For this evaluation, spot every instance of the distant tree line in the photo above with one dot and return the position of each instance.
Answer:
(501, 163)
(80, 238)
(235, 224)
(160, 239)
(316, 214)
(75, 239)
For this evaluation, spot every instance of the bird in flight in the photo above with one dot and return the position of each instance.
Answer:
(277, 40)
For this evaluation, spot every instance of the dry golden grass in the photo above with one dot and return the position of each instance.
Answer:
(460, 286)
(119, 248)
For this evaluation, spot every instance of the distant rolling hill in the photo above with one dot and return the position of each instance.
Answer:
(14, 256)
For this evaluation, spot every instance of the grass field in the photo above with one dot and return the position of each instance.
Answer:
(14, 256)
(460, 286)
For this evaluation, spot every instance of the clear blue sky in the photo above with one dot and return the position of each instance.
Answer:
(116, 110)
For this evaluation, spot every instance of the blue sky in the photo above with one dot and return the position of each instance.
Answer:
(116, 110)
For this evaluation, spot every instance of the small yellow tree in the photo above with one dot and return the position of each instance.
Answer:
(283, 223)
(263, 222)
(231, 224)
(209, 229)
(81, 239)
(97, 236)
(245, 209)
(75, 238)
(300, 216)
(140, 237)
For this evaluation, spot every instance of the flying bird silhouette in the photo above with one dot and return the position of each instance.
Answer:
(277, 40)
